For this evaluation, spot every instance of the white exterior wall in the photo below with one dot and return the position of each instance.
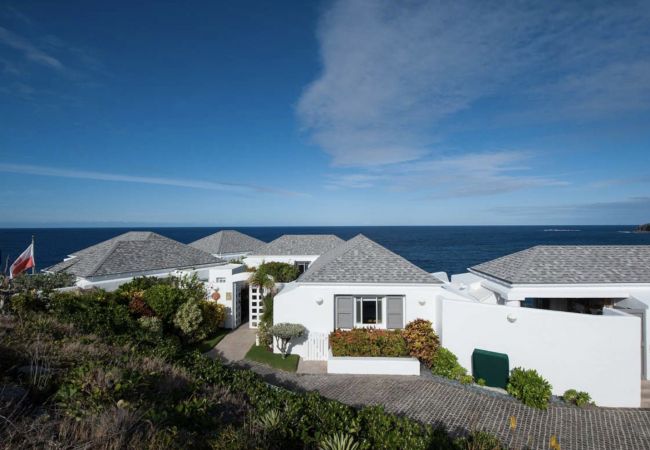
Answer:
(373, 365)
(228, 280)
(299, 303)
(256, 260)
(111, 283)
(596, 354)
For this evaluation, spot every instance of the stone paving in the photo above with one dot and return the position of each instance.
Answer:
(462, 408)
(234, 346)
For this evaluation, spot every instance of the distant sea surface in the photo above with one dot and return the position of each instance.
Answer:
(451, 249)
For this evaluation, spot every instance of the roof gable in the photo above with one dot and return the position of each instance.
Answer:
(140, 252)
(361, 260)
(300, 244)
(571, 264)
(227, 241)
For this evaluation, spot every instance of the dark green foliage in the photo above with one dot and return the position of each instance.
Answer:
(368, 342)
(42, 281)
(281, 272)
(165, 301)
(529, 387)
(141, 284)
(445, 364)
(111, 383)
(266, 322)
(578, 398)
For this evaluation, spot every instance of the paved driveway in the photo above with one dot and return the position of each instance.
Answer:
(460, 408)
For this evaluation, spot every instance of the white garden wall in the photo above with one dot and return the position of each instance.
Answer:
(596, 354)
(373, 365)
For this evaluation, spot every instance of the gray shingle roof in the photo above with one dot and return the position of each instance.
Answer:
(300, 244)
(227, 241)
(135, 251)
(361, 260)
(571, 264)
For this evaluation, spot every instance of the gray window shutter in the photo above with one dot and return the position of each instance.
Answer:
(394, 312)
(344, 307)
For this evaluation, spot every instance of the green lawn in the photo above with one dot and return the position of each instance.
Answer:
(275, 360)
(208, 344)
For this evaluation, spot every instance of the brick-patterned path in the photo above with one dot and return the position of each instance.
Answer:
(463, 408)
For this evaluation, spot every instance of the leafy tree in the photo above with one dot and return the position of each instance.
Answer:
(164, 300)
(284, 333)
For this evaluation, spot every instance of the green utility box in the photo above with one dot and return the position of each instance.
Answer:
(493, 367)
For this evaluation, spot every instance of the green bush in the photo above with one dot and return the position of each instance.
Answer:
(164, 300)
(529, 387)
(189, 320)
(578, 398)
(422, 341)
(284, 333)
(141, 284)
(445, 364)
(151, 325)
(190, 287)
(281, 272)
(264, 336)
(368, 342)
(214, 315)
(42, 281)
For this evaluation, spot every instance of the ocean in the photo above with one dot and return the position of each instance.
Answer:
(434, 248)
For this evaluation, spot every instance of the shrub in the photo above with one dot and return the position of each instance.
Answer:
(214, 315)
(529, 387)
(42, 281)
(138, 307)
(578, 398)
(151, 325)
(421, 340)
(264, 336)
(281, 272)
(338, 441)
(284, 333)
(189, 320)
(190, 287)
(140, 284)
(446, 365)
(368, 342)
(164, 300)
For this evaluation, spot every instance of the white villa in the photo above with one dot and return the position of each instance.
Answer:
(116, 261)
(228, 244)
(576, 314)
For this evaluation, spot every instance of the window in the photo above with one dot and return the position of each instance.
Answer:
(368, 310)
(302, 266)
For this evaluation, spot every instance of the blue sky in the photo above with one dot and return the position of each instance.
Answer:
(324, 113)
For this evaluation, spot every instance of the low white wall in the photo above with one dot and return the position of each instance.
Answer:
(373, 365)
(596, 354)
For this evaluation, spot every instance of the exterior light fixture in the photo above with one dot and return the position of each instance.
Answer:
(512, 318)
(319, 301)
(421, 302)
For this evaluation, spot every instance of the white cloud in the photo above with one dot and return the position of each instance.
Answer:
(161, 181)
(395, 73)
(468, 175)
(29, 50)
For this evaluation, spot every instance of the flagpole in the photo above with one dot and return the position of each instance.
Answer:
(34, 258)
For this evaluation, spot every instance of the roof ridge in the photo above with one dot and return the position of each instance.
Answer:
(103, 259)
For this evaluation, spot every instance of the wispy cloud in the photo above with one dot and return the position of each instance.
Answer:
(29, 50)
(395, 73)
(467, 175)
(160, 181)
(628, 210)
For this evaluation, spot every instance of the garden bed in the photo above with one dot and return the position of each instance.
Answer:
(265, 356)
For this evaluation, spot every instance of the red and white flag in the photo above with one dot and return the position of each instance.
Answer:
(25, 261)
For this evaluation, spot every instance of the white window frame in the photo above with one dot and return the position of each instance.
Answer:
(379, 310)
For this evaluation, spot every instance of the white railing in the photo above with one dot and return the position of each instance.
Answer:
(316, 346)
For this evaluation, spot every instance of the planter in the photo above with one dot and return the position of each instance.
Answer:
(373, 365)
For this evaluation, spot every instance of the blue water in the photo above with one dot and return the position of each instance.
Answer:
(450, 248)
